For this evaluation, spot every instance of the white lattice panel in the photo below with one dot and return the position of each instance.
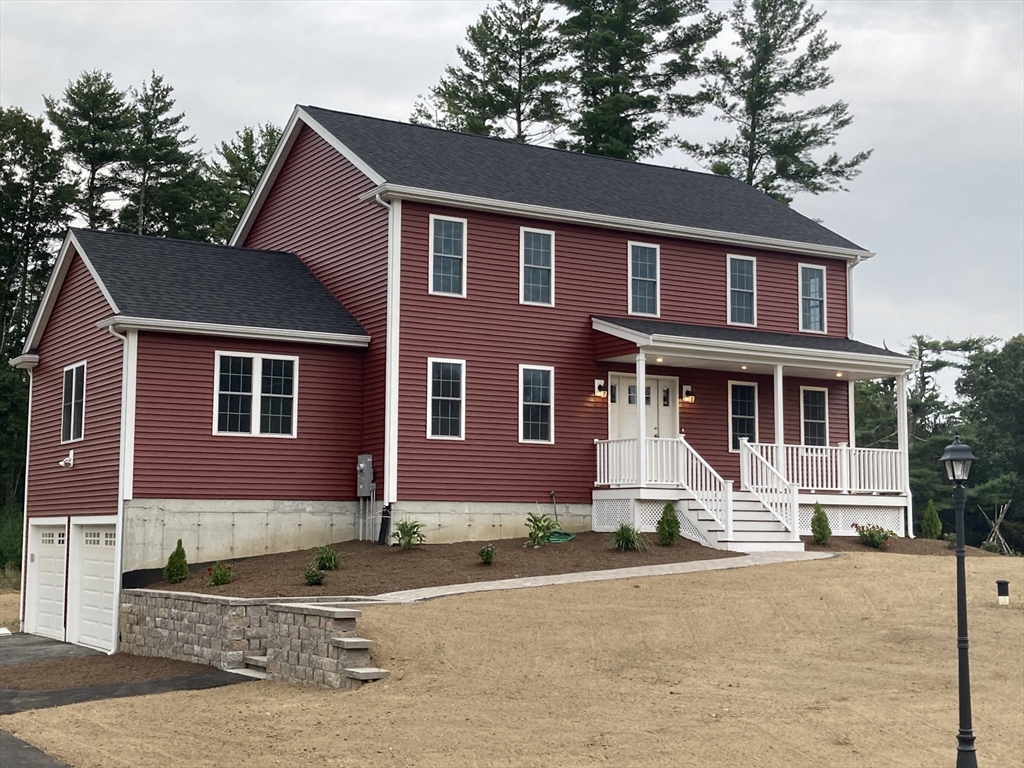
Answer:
(648, 514)
(610, 513)
(690, 531)
(841, 518)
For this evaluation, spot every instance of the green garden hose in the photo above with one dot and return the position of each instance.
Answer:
(559, 536)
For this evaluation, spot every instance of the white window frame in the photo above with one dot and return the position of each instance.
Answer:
(550, 369)
(257, 394)
(824, 297)
(728, 290)
(430, 253)
(522, 265)
(629, 281)
(803, 433)
(84, 365)
(757, 412)
(430, 387)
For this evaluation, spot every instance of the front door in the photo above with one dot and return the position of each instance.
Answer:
(661, 406)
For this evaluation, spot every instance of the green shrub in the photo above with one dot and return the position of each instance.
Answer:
(874, 535)
(668, 525)
(326, 559)
(821, 531)
(950, 539)
(989, 546)
(628, 539)
(219, 574)
(176, 569)
(409, 533)
(931, 526)
(314, 576)
(541, 527)
(487, 554)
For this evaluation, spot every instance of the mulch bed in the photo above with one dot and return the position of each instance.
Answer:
(61, 674)
(369, 569)
(896, 546)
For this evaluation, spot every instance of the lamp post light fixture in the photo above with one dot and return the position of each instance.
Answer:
(957, 459)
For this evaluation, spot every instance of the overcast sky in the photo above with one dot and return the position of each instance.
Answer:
(936, 88)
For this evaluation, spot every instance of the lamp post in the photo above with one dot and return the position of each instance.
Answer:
(957, 459)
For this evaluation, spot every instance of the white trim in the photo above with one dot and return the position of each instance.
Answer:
(122, 323)
(522, 265)
(657, 278)
(757, 409)
(83, 364)
(728, 290)
(803, 434)
(256, 394)
(462, 390)
(24, 515)
(465, 256)
(392, 356)
(551, 405)
(24, 362)
(824, 297)
(850, 405)
(395, 191)
(130, 380)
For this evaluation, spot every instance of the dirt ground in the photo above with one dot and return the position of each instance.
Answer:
(59, 674)
(10, 610)
(897, 546)
(843, 662)
(369, 569)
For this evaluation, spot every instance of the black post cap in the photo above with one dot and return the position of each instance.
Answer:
(1003, 587)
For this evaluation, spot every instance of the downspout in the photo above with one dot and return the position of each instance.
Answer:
(119, 524)
(392, 349)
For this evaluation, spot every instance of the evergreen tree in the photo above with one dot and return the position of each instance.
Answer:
(628, 58)
(238, 168)
(508, 82)
(782, 55)
(95, 123)
(931, 526)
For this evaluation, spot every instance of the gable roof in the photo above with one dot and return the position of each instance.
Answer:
(419, 157)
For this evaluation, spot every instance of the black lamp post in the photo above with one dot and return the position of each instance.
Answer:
(958, 458)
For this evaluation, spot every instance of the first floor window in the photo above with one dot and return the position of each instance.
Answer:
(536, 400)
(256, 394)
(448, 256)
(447, 399)
(643, 279)
(812, 298)
(742, 413)
(72, 421)
(815, 416)
(741, 290)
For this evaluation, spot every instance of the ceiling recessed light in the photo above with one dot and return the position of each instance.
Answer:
(659, 360)
(839, 374)
(743, 367)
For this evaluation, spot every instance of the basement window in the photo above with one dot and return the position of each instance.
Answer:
(256, 395)
(72, 421)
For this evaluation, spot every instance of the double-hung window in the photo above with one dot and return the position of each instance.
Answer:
(643, 279)
(742, 297)
(447, 256)
(446, 399)
(536, 404)
(742, 413)
(72, 420)
(256, 395)
(537, 276)
(812, 298)
(814, 415)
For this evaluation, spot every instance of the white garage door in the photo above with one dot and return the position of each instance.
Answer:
(96, 600)
(50, 551)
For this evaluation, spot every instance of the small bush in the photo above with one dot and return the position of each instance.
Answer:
(219, 574)
(628, 539)
(487, 554)
(176, 569)
(668, 525)
(541, 527)
(314, 576)
(326, 559)
(931, 526)
(874, 535)
(409, 533)
(990, 546)
(821, 531)
(950, 539)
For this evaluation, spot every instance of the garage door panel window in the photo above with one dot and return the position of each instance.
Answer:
(256, 395)
(72, 422)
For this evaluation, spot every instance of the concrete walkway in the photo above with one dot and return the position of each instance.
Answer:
(666, 569)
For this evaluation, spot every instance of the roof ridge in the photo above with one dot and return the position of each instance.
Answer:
(234, 248)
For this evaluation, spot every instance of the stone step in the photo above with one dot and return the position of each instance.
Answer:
(365, 673)
(252, 660)
(257, 674)
(351, 643)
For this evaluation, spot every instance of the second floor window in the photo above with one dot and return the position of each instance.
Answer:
(72, 421)
(538, 267)
(448, 256)
(643, 279)
(742, 307)
(812, 298)
(256, 395)
(447, 401)
(742, 413)
(814, 416)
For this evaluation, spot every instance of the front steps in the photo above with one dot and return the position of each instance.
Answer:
(754, 528)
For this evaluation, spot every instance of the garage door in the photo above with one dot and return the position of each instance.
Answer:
(96, 601)
(50, 552)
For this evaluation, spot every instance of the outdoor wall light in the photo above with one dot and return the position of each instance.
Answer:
(599, 388)
(687, 394)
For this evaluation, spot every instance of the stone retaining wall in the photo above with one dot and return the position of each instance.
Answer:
(306, 645)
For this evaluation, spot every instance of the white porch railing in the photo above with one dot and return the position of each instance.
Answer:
(616, 462)
(777, 494)
(836, 468)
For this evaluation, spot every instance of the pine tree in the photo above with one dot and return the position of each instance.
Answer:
(782, 54)
(176, 569)
(95, 123)
(238, 168)
(508, 82)
(821, 531)
(628, 58)
(931, 526)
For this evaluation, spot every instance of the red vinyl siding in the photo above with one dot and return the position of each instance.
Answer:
(70, 337)
(313, 211)
(178, 456)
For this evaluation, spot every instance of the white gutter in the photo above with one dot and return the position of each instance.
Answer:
(238, 331)
(392, 358)
(119, 524)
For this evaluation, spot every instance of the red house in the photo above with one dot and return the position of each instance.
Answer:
(501, 328)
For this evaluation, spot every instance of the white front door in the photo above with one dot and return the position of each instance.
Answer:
(661, 406)
(49, 551)
(96, 594)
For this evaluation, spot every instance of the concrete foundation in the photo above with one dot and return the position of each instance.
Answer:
(446, 522)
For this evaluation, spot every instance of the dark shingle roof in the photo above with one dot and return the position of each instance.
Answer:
(445, 161)
(746, 336)
(158, 278)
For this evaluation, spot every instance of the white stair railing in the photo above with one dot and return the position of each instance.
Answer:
(777, 494)
(711, 492)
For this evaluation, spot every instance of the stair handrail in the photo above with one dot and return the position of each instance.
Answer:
(775, 492)
(710, 490)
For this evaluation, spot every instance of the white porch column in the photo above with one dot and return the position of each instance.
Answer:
(903, 443)
(641, 418)
(780, 425)
(853, 416)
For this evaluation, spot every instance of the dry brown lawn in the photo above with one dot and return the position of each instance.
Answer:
(843, 662)
(10, 609)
